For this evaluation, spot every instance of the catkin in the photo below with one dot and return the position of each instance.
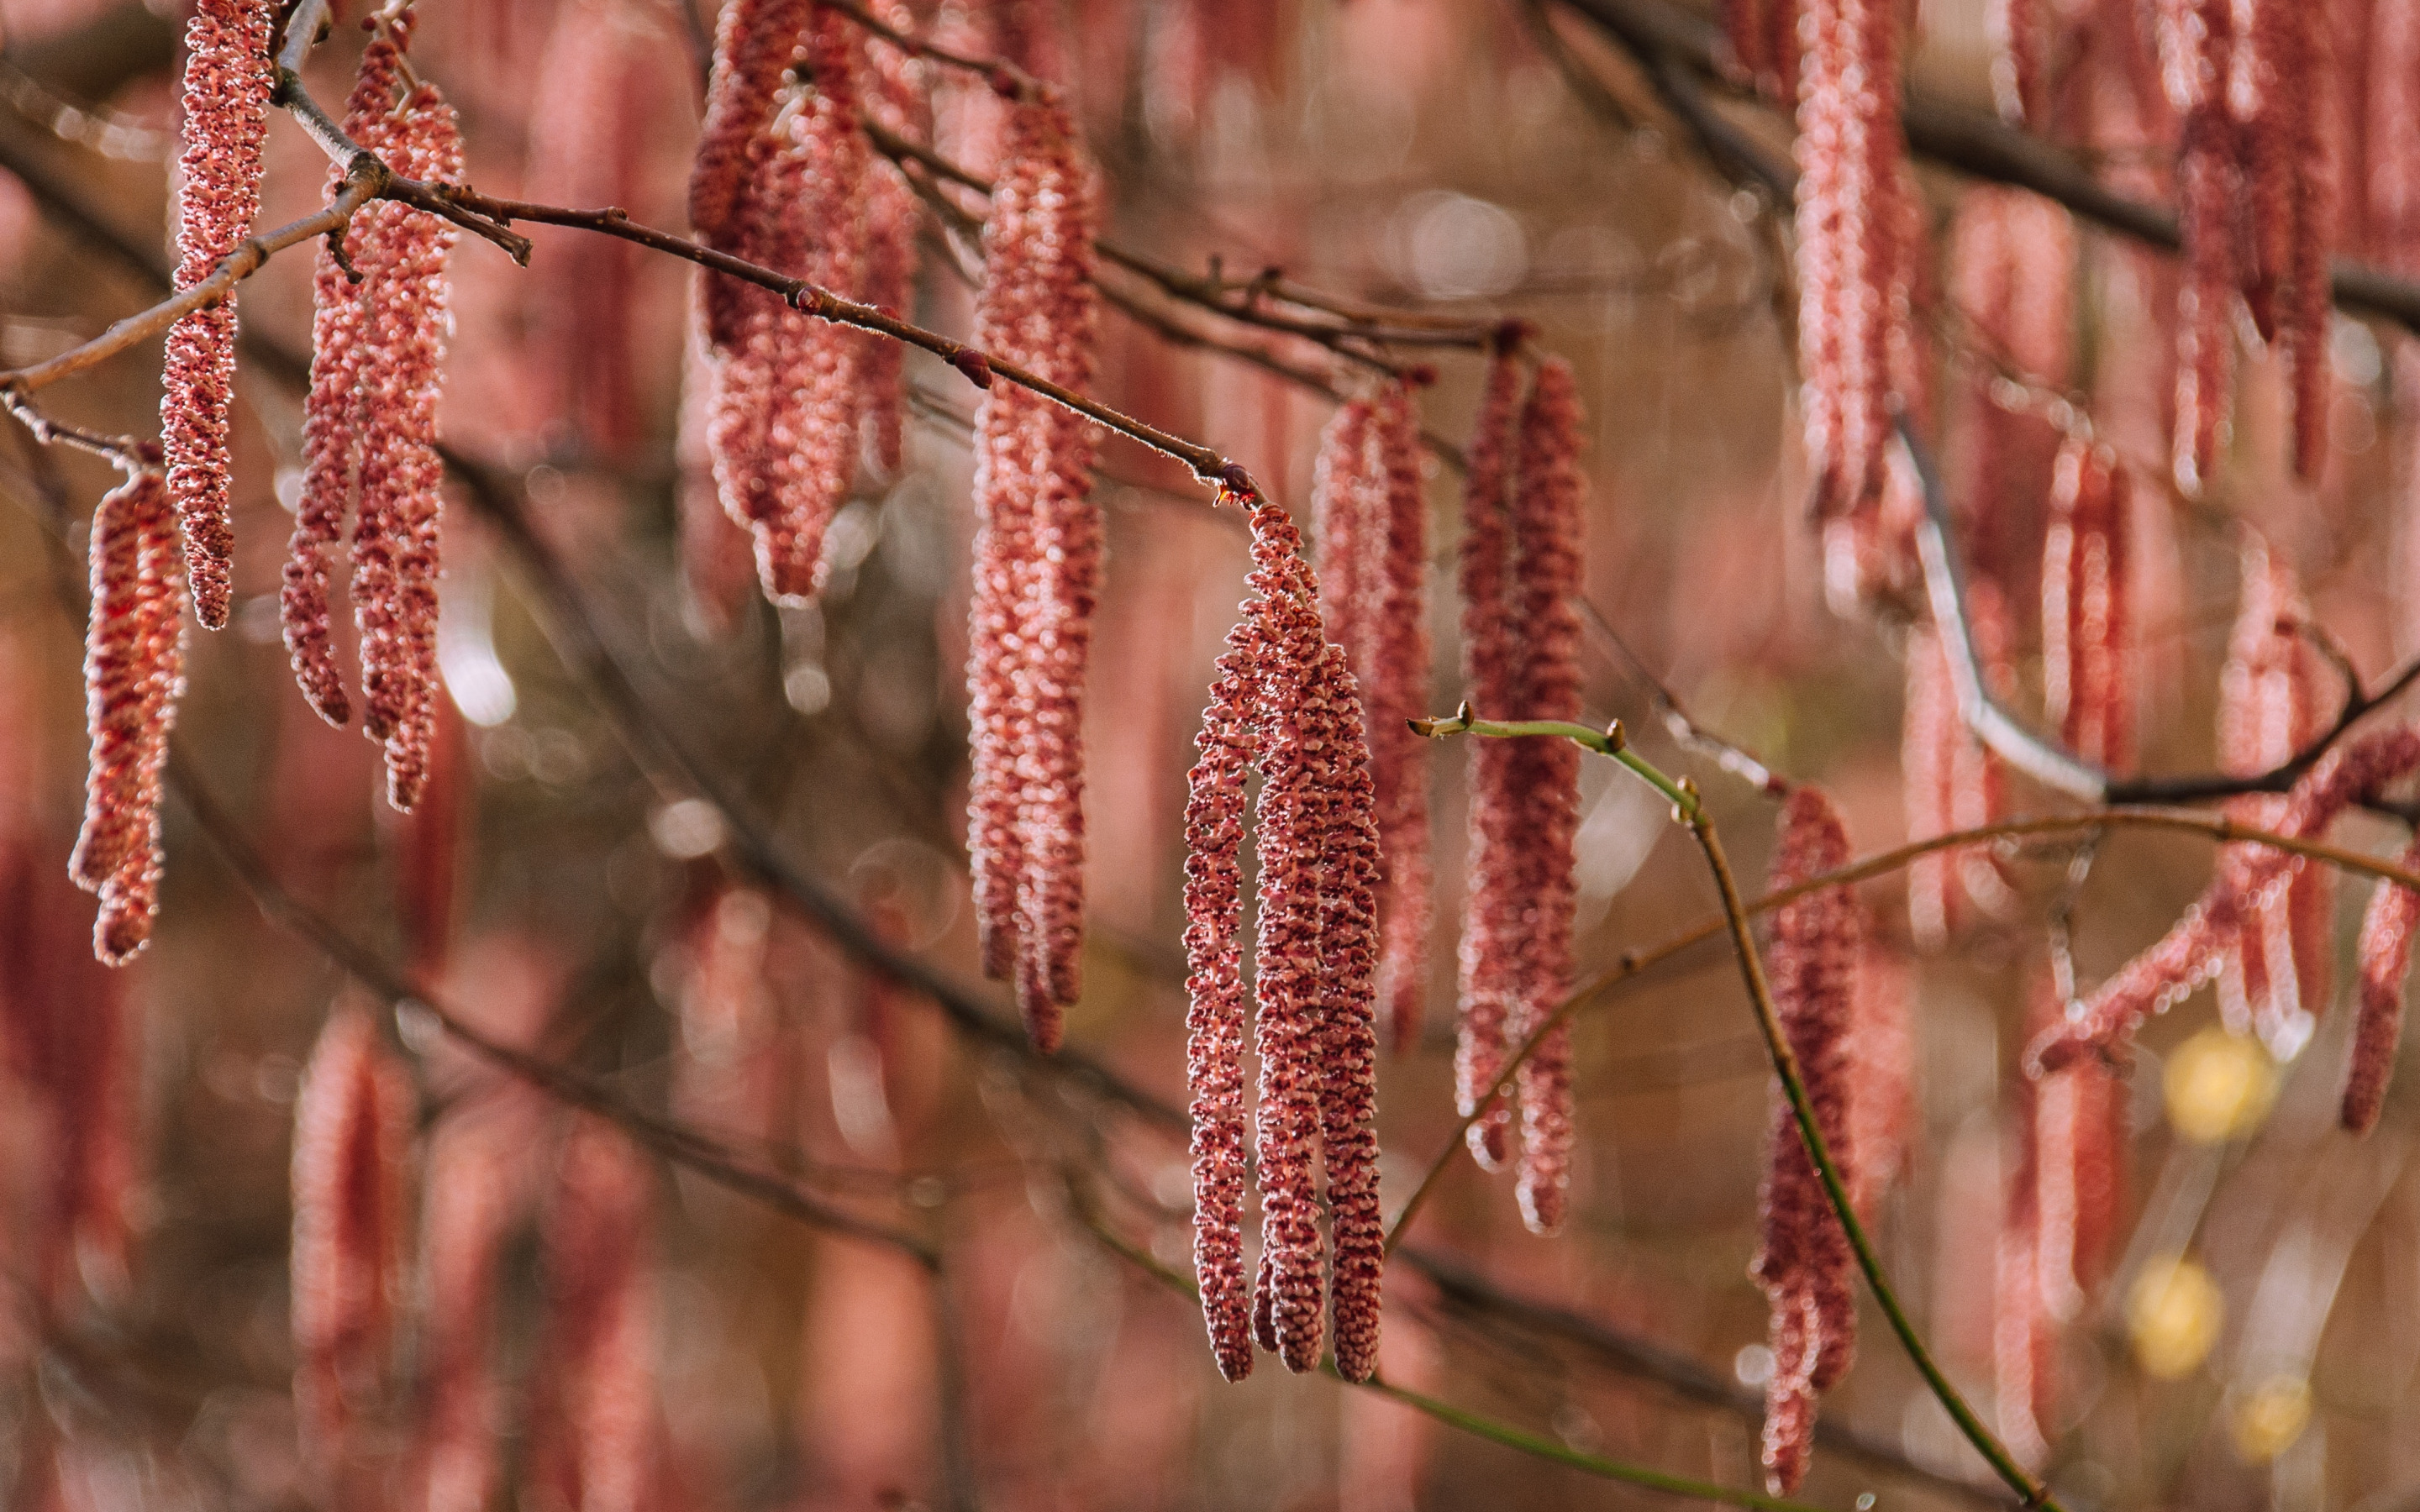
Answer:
(1037, 570)
(2386, 956)
(133, 677)
(352, 1139)
(1803, 1258)
(1489, 950)
(226, 104)
(1284, 704)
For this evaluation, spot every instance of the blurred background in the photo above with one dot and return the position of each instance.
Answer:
(2245, 1339)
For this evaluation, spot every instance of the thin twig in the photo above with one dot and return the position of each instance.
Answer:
(1692, 812)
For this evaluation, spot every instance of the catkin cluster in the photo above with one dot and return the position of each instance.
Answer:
(1284, 704)
(369, 433)
(1520, 568)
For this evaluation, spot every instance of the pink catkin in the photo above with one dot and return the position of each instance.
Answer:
(2196, 40)
(1803, 1260)
(755, 43)
(2088, 658)
(1547, 524)
(1489, 950)
(1395, 690)
(593, 1431)
(1950, 780)
(1883, 1112)
(467, 1210)
(2386, 956)
(1214, 833)
(395, 548)
(133, 678)
(333, 411)
(227, 93)
(897, 99)
(1851, 242)
(352, 1138)
(1046, 162)
(1037, 571)
(2274, 976)
(2251, 877)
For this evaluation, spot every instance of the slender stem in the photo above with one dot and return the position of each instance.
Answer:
(248, 258)
(1802, 1108)
(1603, 1468)
(1688, 811)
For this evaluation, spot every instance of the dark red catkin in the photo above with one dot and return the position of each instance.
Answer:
(1037, 569)
(226, 89)
(2278, 73)
(2250, 878)
(755, 43)
(352, 1139)
(1285, 704)
(1803, 1260)
(1490, 930)
(2386, 956)
(2088, 682)
(134, 673)
(1547, 525)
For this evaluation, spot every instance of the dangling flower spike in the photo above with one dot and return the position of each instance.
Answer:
(1803, 1260)
(370, 430)
(227, 91)
(1037, 571)
(134, 675)
(1284, 704)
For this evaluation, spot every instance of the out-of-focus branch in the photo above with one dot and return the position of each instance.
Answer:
(2038, 757)
(1659, 35)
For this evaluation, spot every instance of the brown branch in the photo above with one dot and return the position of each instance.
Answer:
(133, 453)
(360, 186)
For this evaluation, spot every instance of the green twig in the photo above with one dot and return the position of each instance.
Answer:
(1689, 811)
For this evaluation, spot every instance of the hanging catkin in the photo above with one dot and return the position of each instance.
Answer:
(227, 93)
(2274, 978)
(1036, 572)
(352, 1138)
(1490, 930)
(1395, 691)
(2087, 636)
(2250, 879)
(1546, 519)
(133, 675)
(370, 431)
(1284, 704)
(1802, 1259)
(1371, 525)
(1851, 242)
(897, 100)
(593, 1433)
(2386, 956)
(784, 427)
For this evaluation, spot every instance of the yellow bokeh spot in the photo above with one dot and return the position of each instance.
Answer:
(2173, 1314)
(2270, 1419)
(2218, 1086)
